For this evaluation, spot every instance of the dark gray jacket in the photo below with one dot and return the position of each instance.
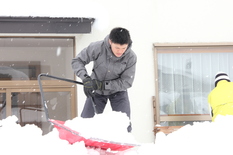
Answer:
(117, 72)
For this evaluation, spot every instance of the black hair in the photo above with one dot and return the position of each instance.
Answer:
(120, 36)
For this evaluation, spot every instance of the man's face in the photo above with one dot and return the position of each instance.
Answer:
(118, 49)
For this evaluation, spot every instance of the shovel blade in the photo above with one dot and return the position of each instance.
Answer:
(72, 136)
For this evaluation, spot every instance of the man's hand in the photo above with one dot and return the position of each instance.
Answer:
(91, 85)
(88, 86)
(98, 85)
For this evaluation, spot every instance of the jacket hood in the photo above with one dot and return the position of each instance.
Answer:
(108, 46)
(222, 82)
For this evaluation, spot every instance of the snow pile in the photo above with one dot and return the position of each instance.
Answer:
(29, 140)
(198, 139)
(110, 126)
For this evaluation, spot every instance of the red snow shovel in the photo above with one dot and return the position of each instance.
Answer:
(72, 136)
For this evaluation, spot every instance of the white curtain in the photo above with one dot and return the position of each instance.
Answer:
(186, 78)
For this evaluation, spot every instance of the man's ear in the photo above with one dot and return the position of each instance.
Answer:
(110, 42)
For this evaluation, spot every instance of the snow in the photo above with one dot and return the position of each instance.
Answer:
(101, 124)
(200, 138)
(53, 8)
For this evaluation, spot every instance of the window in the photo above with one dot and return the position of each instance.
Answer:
(22, 60)
(26, 57)
(185, 77)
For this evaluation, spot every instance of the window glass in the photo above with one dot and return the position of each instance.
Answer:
(25, 58)
(178, 123)
(186, 77)
(29, 110)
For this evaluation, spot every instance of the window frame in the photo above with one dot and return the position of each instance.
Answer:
(156, 103)
(9, 87)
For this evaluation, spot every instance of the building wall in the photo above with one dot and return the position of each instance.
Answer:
(149, 21)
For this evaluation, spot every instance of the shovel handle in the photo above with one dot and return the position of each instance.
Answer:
(59, 78)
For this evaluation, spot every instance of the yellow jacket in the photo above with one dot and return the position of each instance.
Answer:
(221, 99)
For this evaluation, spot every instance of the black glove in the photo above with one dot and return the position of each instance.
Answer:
(91, 85)
(88, 86)
(97, 85)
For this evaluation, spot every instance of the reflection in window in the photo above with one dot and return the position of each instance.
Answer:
(25, 58)
(9, 73)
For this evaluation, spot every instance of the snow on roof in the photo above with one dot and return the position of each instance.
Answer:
(54, 8)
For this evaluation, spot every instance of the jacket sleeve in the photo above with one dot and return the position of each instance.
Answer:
(78, 63)
(126, 79)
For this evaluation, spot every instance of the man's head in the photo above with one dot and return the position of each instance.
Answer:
(221, 76)
(119, 39)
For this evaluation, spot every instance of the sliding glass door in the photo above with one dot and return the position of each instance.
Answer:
(21, 61)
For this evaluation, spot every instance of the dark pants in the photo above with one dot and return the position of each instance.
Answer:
(118, 101)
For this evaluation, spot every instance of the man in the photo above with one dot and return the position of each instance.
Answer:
(112, 74)
(221, 97)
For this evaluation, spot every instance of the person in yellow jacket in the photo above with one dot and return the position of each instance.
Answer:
(221, 97)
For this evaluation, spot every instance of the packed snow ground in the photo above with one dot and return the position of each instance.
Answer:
(199, 138)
